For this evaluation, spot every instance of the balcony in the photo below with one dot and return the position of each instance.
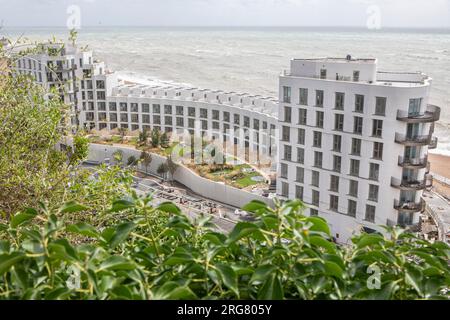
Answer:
(413, 163)
(409, 206)
(433, 143)
(432, 114)
(413, 140)
(412, 185)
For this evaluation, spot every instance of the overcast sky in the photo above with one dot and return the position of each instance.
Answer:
(393, 13)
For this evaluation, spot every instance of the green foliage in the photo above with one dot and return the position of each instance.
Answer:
(146, 159)
(118, 156)
(164, 140)
(80, 149)
(131, 161)
(155, 138)
(158, 253)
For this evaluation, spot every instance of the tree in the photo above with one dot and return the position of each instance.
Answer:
(131, 161)
(122, 132)
(143, 137)
(155, 138)
(73, 35)
(118, 156)
(80, 149)
(171, 167)
(162, 170)
(146, 159)
(164, 140)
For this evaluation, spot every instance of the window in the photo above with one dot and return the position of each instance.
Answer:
(315, 178)
(353, 188)
(358, 125)
(191, 123)
(101, 95)
(180, 110)
(284, 189)
(380, 106)
(300, 175)
(247, 122)
(337, 143)
(319, 98)
(123, 107)
(191, 112)
(323, 73)
(354, 167)
(299, 192)
(156, 108)
(356, 76)
(378, 150)
(315, 198)
(339, 122)
(226, 116)
(318, 158)
(377, 128)
(156, 119)
(319, 119)
(414, 106)
(334, 183)
(284, 171)
(337, 163)
(145, 108)
(303, 97)
(101, 106)
(287, 114)
(356, 147)
(168, 120)
(301, 136)
(301, 155)
(113, 117)
(146, 118)
(334, 203)
(237, 119)
(373, 192)
(339, 101)
(286, 134)
(135, 118)
(215, 114)
(317, 139)
(287, 94)
(203, 113)
(302, 116)
(112, 106)
(313, 212)
(256, 124)
(204, 125)
(352, 208)
(287, 153)
(374, 171)
(370, 213)
(359, 103)
(124, 117)
(180, 122)
(134, 107)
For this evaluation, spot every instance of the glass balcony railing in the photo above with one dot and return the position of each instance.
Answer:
(413, 163)
(408, 206)
(412, 184)
(432, 114)
(416, 140)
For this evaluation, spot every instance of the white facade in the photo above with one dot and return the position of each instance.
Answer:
(355, 142)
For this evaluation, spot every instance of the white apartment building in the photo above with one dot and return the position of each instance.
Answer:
(354, 142)
(349, 140)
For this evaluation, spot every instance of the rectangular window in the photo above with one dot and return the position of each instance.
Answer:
(334, 183)
(191, 123)
(339, 103)
(337, 143)
(123, 117)
(339, 122)
(374, 171)
(323, 73)
(317, 139)
(112, 106)
(318, 158)
(101, 95)
(334, 203)
(356, 147)
(191, 112)
(319, 98)
(287, 153)
(315, 178)
(237, 119)
(358, 125)
(373, 192)
(246, 122)
(134, 107)
(337, 163)
(168, 120)
(303, 97)
(359, 103)
(113, 117)
(370, 213)
(287, 114)
(286, 136)
(256, 124)
(380, 106)
(352, 208)
(180, 110)
(123, 107)
(302, 116)
(180, 122)
(299, 192)
(300, 175)
(353, 188)
(377, 128)
(203, 113)
(145, 108)
(287, 94)
(156, 119)
(135, 118)
(319, 119)
(285, 189)
(168, 109)
(315, 198)
(156, 108)
(356, 76)
(146, 118)
(301, 136)
(378, 150)
(284, 171)
(215, 114)
(354, 167)
(226, 116)
(313, 212)
(301, 155)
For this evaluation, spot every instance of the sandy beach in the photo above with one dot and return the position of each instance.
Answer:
(440, 165)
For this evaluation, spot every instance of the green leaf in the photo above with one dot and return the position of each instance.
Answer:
(169, 207)
(262, 273)
(333, 269)
(241, 230)
(8, 260)
(83, 229)
(255, 206)
(319, 225)
(63, 250)
(180, 256)
(319, 241)
(117, 263)
(181, 293)
(369, 240)
(121, 205)
(272, 289)
(414, 278)
(58, 294)
(22, 218)
(72, 206)
(228, 276)
(121, 233)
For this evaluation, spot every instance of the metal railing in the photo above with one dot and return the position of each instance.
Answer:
(415, 163)
(409, 205)
(432, 114)
(412, 185)
(413, 140)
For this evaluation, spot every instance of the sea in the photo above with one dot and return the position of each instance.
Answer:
(250, 59)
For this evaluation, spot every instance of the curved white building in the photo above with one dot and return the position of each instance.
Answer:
(352, 141)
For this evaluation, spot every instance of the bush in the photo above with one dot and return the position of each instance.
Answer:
(158, 253)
